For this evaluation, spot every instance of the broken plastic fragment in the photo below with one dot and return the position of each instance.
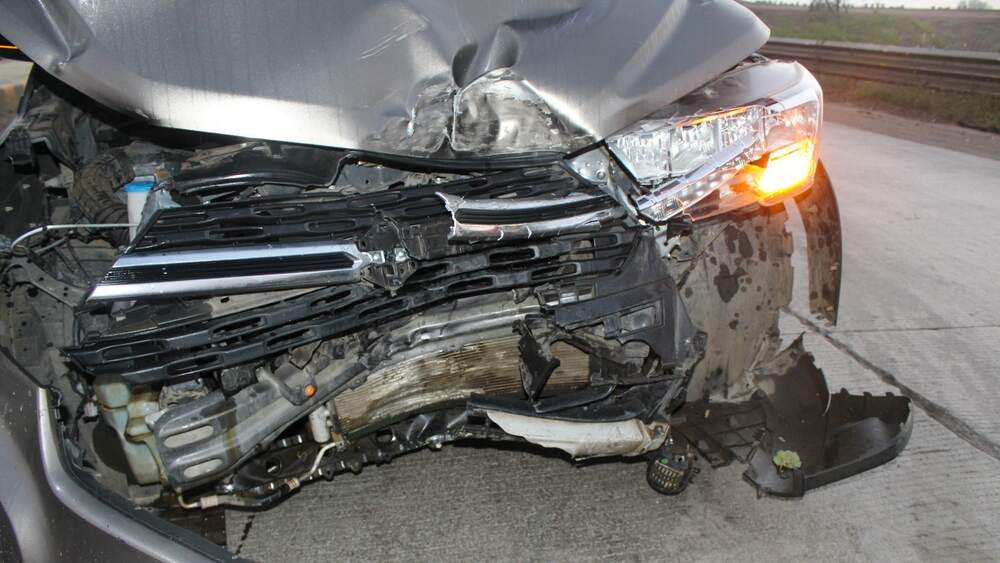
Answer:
(584, 440)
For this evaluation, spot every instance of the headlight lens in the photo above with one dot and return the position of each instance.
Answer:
(655, 149)
(750, 136)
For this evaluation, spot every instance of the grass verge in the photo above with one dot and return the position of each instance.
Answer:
(940, 29)
(976, 111)
(869, 28)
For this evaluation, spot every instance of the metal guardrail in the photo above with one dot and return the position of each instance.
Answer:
(940, 69)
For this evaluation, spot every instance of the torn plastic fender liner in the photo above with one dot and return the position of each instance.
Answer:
(821, 219)
(584, 439)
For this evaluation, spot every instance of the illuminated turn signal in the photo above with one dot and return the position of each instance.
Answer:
(787, 169)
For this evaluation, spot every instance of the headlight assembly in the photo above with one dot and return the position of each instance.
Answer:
(749, 136)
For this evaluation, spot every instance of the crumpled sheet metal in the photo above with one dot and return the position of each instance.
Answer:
(388, 76)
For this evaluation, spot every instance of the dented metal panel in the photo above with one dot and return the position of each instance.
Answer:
(417, 77)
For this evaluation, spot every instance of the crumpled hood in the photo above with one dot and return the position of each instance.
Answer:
(414, 78)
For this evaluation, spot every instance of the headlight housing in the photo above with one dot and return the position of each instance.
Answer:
(750, 136)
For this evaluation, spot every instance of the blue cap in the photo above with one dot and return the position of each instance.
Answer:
(139, 186)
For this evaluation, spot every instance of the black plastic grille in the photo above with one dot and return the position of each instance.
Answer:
(202, 347)
(328, 216)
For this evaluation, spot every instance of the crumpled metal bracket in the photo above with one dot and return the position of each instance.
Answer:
(23, 271)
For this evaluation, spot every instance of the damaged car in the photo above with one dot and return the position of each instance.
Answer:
(250, 249)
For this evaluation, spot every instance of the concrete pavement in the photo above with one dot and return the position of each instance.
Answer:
(919, 306)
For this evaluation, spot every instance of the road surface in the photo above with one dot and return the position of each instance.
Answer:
(920, 305)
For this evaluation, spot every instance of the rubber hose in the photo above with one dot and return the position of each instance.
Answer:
(93, 192)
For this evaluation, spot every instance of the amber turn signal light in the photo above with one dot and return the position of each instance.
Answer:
(787, 169)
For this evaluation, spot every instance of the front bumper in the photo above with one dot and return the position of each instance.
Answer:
(56, 513)
(834, 444)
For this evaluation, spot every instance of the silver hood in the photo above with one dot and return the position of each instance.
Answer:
(415, 78)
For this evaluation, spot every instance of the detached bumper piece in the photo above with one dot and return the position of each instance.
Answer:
(798, 437)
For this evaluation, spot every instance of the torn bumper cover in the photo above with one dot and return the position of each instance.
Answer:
(792, 433)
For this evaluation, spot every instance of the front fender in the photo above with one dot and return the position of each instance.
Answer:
(821, 219)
